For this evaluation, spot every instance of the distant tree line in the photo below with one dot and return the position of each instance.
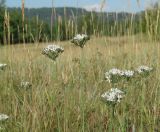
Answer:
(11, 28)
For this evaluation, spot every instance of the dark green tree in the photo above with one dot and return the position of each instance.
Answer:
(2, 6)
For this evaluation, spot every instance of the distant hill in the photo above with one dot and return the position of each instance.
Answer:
(69, 13)
(63, 28)
(45, 13)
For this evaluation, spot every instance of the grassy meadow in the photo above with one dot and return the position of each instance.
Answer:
(65, 95)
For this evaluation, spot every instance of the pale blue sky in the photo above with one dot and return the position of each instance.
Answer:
(111, 5)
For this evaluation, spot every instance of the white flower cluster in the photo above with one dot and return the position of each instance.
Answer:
(80, 40)
(115, 74)
(113, 96)
(143, 69)
(3, 117)
(52, 51)
(1, 128)
(112, 74)
(26, 85)
(2, 66)
(128, 73)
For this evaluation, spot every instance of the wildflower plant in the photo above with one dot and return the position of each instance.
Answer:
(3, 66)
(52, 51)
(80, 40)
(3, 117)
(1, 128)
(127, 74)
(113, 96)
(143, 70)
(25, 85)
(114, 75)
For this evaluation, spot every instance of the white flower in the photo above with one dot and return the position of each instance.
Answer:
(143, 69)
(116, 71)
(80, 40)
(2, 66)
(108, 77)
(113, 96)
(128, 73)
(3, 117)
(79, 37)
(26, 85)
(112, 74)
(2, 129)
(52, 51)
(115, 74)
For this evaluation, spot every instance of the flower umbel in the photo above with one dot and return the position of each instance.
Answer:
(1, 128)
(113, 75)
(2, 66)
(113, 96)
(128, 73)
(143, 69)
(3, 117)
(52, 51)
(80, 40)
(26, 85)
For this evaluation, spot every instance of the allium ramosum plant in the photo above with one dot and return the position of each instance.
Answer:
(3, 117)
(3, 66)
(114, 75)
(80, 40)
(111, 98)
(52, 51)
(143, 70)
(25, 85)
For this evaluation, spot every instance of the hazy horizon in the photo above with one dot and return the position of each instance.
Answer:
(109, 5)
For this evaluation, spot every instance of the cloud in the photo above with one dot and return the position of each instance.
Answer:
(95, 7)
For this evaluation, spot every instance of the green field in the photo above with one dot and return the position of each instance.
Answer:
(65, 95)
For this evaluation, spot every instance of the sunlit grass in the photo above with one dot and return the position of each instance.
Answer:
(65, 94)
